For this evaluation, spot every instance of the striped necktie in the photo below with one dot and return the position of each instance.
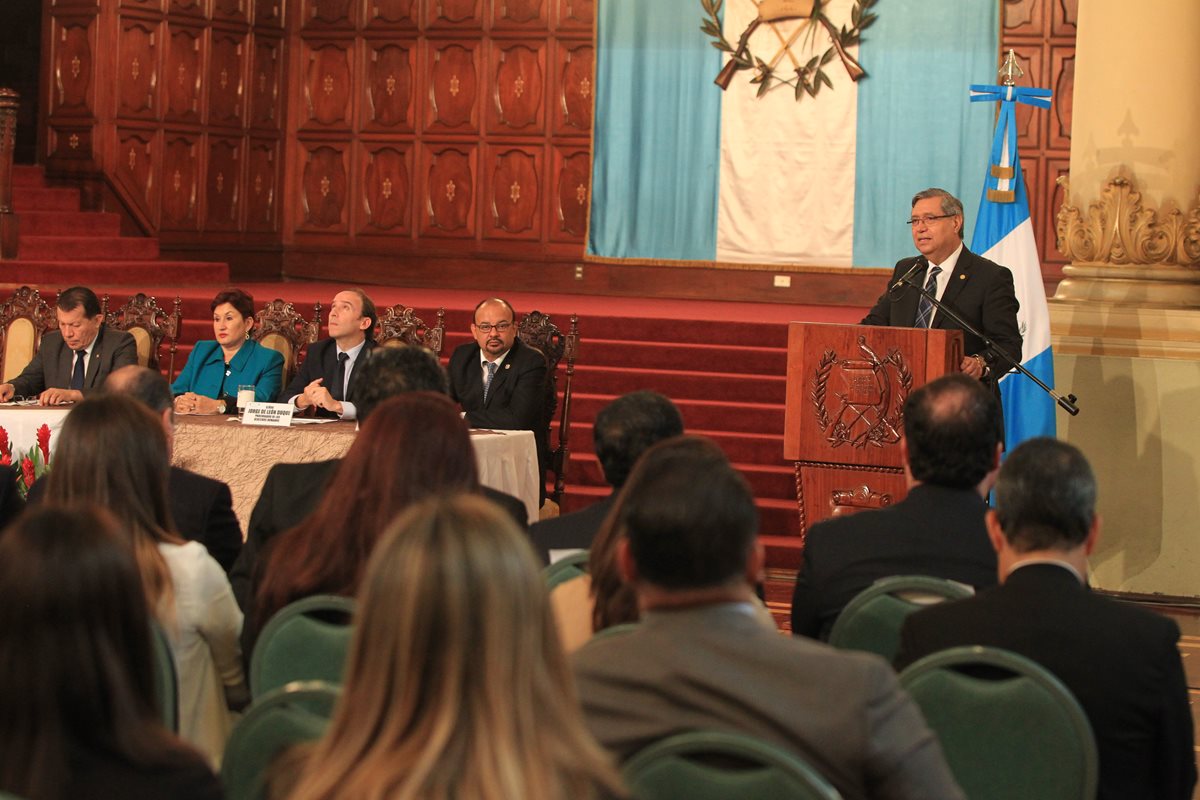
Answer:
(925, 308)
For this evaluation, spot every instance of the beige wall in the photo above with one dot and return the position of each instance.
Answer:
(1136, 106)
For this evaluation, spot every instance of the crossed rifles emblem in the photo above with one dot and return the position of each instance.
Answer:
(772, 12)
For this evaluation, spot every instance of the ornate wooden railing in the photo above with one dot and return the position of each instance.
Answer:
(8, 138)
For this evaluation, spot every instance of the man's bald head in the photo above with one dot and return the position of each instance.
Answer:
(145, 385)
(952, 427)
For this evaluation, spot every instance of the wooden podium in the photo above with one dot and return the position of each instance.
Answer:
(846, 387)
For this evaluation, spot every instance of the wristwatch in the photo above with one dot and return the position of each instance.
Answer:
(983, 365)
(224, 406)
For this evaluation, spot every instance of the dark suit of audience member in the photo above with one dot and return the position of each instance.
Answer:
(704, 657)
(54, 362)
(952, 448)
(621, 433)
(321, 362)
(1121, 662)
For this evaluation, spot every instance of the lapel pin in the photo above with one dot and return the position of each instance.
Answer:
(508, 366)
(962, 277)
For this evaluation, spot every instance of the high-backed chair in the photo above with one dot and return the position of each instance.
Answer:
(398, 325)
(294, 714)
(537, 330)
(24, 317)
(150, 326)
(281, 328)
(305, 640)
(872, 620)
(1009, 729)
(166, 678)
(711, 765)
(566, 568)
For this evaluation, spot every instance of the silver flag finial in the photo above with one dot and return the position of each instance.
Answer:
(1009, 72)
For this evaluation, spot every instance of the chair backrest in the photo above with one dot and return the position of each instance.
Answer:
(305, 640)
(291, 715)
(537, 331)
(872, 620)
(1008, 727)
(149, 325)
(711, 765)
(398, 325)
(166, 678)
(281, 328)
(24, 317)
(565, 569)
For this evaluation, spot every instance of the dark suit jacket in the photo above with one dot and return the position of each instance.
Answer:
(516, 401)
(933, 531)
(292, 492)
(980, 291)
(202, 509)
(321, 362)
(52, 365)
(1121, 663)
(570, 531)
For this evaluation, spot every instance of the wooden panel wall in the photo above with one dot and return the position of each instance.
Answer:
(440, 127)
(1042, 33)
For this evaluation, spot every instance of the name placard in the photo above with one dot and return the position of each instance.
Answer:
(277, 415)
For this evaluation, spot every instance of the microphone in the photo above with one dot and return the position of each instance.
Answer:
(916, 267)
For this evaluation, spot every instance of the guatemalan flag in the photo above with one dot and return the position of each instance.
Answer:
(1004, 234)
(685, 172)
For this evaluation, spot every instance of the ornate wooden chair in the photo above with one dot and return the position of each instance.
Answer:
(150, 325)
(398, 325)
(24, 317)
(536, 330)
(281, 328)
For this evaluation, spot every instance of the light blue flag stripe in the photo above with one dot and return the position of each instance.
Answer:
(657, 134)
(914, 130)
(1028, 411)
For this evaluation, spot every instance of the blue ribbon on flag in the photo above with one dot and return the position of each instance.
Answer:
(1006, 124)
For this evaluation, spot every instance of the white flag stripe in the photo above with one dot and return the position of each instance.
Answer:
(1018, 252)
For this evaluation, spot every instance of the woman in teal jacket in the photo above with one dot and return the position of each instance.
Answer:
(215, 369)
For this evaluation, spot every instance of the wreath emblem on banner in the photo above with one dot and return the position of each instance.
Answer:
(806, 77)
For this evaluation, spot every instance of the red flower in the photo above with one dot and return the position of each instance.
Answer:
(27, 471)
(5, 448)
(43, 440)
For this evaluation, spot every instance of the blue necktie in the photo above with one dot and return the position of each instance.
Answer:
(77, 375)
(338, 390)
(925, 308)
(487, 385)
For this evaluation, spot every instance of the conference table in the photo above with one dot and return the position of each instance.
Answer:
(241, 455)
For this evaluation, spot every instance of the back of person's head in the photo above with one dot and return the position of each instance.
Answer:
(412, 447)
(627, 426)
(1045, 496)
(147, 386)
(456, 685)
(77, 296)
(390, 371)
(75, 653)
(952, 426)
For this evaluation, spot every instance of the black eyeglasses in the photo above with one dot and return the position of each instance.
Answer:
(486, 327)
(927, 219)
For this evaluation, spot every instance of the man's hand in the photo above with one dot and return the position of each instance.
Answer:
(974, 366)
(305, 398)
(58, 397)
(317, 395)
(7, 390)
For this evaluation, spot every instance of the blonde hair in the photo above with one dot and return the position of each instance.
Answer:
(456, 685)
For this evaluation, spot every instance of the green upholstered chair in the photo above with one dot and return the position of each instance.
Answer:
(1010, 729)
(166, 678)
(294, 714)
(305, 640)
(711, 765)
(565, 569)
(872, 620)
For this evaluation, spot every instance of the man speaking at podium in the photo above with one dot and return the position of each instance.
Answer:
(978, 290)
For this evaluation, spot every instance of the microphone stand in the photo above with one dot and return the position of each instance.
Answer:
(1067, 403)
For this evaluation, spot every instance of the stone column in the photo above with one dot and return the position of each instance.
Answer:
(1125, 321)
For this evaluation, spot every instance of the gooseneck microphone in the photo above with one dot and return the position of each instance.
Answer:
(917, 266)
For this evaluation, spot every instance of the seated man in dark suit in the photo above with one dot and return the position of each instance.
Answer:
(951, 449)
(201, 507)
(75, 359)
(704, 657)
(1121, 662)
(325, 383)
(622, 431)
(292, 491)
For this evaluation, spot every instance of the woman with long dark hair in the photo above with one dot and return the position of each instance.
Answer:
(77, 700)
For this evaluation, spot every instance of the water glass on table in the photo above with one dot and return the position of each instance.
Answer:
(245, 397)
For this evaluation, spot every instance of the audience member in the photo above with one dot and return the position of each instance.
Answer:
(292, 491)
(456, 685)
(214, 370)
(75, 359)
(411, 447)
(78, 711)
(1121, 662)
(951, 450)
(326, 381)
(112, 453)
(622, 431)
(703, 658)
